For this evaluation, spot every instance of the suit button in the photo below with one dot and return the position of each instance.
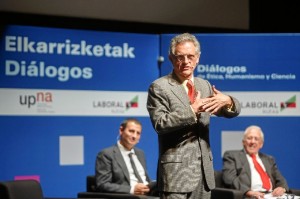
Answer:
(199, 158)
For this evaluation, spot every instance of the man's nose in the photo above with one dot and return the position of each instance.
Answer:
(134, 134)
(185, 59)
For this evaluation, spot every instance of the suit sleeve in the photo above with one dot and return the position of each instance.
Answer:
(104, 176)
(234, 175)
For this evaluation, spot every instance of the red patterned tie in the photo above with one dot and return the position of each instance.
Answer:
(191, 90)
(263, 175)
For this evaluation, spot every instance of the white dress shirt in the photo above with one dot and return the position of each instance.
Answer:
(140, 168)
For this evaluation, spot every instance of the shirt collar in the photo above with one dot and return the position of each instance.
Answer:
(185, 81)
(123, 149)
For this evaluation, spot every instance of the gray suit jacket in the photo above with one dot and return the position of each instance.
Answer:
(237, 174)
(183, 141)
(111, 172)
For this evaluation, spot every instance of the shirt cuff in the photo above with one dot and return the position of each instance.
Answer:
(132, 189)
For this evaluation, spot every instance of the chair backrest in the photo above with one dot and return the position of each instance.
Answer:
(219, 179)
(21, 189)
(91, 183)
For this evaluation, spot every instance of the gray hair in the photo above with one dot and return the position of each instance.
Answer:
(185, 37)
(248, 129)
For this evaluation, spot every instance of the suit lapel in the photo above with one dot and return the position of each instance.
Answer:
(204, 89)
(265, 163)
(245, 163)
(119, 158)
(143, 163)
(178, 90)
(198, 87)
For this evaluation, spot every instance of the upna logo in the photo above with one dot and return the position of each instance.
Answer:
(39, 97)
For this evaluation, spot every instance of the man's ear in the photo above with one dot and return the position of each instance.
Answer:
(121, 129)
(198, 60)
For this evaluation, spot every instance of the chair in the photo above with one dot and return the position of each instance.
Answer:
(21, 189)
(294, 191)
(222, 192)
(92, 193)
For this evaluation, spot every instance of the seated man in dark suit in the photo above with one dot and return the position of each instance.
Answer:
(114, 170)
(240, 170)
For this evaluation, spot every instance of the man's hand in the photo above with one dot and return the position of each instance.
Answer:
(278, 191)
(255, 194)
(216, 102)
(141, 189)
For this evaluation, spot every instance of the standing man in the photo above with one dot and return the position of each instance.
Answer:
(240, 170)
(180, 106)
(115, 171)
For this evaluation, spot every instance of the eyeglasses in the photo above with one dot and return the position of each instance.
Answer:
(181, 58)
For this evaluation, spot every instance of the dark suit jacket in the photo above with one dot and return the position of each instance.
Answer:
(183, 141)
(111, 172)
(237, 174)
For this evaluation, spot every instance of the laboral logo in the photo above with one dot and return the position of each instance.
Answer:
(132, 103)
(268, 103)
(117, 106)
(290, 103)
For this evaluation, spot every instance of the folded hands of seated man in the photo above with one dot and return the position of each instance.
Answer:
(141, 189)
